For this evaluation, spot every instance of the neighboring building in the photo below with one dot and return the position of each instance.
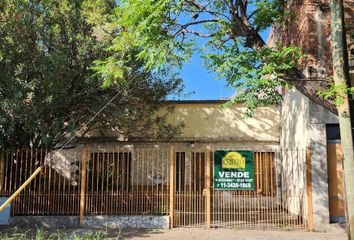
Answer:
(304, 123)
(310, 30)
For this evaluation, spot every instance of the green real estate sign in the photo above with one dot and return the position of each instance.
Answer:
(233, 170)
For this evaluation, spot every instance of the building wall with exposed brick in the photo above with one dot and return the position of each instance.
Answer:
(310, 29)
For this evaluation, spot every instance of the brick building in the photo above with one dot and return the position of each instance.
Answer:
(310, 30)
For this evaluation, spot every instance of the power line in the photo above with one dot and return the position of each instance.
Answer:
(92, 118)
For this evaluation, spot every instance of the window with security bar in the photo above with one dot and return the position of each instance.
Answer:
(180, 169)
(264, 178)
(198, 171)
(109, 172)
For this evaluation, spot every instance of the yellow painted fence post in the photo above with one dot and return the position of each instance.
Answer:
(309, 187)
(172, 185)
(84, 157)
(208, 187)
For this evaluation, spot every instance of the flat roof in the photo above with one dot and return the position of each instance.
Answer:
(220, 101)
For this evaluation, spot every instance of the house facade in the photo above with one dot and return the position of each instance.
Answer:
(222, 171)
(290, 161)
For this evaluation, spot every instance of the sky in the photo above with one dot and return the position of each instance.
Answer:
(203, 84)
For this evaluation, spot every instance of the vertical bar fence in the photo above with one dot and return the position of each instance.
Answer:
(146, 179)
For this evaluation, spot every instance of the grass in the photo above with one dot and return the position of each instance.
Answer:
(64, 234)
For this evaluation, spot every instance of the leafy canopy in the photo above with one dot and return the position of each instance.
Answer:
(165, 33)
(48, 87)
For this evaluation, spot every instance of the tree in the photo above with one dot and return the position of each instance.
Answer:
(167, 32)
(48, 86)
(341, 85)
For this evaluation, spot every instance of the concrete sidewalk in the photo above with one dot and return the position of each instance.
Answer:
(226, 234)
(173, 234)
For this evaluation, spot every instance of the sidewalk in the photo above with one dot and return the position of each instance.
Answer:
(223, 234)
(174, 234)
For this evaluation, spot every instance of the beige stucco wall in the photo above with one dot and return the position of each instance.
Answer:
(293, 141)
(210, 121)
(294, 121)
(303, 124)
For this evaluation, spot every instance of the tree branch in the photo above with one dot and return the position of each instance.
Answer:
(307, 79)
(198, 22)
(183, 27)
(199, 34)
(243, 13)
(252, 14)
(206, 9)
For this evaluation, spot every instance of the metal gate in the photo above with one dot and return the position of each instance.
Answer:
(160, 179)
(190, 192)
(273, 203)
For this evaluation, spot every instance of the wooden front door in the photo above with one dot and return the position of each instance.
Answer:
(335, 183)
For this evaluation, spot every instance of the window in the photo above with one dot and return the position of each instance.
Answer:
(264, 180)
(109, 172)
(180, 171)
(333, 132)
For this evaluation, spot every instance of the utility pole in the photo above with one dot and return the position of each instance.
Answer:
(340, 80)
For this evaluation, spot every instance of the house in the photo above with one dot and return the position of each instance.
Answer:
(284, 153)
(136, 182)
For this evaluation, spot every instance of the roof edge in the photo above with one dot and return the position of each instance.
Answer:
(196, 101)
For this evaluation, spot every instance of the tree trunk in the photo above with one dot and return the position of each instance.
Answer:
(340, 78)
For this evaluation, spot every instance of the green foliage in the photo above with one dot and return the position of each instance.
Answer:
(269, 12)
(140, 28)
(98, 235)
(257, 75)
(48, 87)
(164, 34)
(41, 234)
(336, 93)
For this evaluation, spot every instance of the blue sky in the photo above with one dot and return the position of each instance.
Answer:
(205, 86)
